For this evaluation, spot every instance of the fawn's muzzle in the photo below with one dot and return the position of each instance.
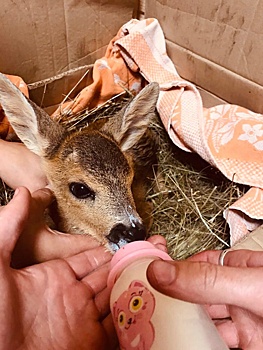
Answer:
(122, 233)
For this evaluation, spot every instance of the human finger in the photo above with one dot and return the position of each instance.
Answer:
(205, 283)
(210, 256)
(44, 244)
(217, 311)
(237, 258)
(102, 301)
(30, 241)
(228, 332)
(47, 244)
(108, 325)
(64, 245)
(13, 218)
(159, 241)
(42, 198)
(97, 279)
(86, 262)
(243, 258)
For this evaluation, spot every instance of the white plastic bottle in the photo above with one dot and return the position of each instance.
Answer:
(146, 319)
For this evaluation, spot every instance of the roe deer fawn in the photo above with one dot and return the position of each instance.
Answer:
(99, 173)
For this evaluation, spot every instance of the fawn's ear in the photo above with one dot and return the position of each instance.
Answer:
(32, 124)
(137, 117)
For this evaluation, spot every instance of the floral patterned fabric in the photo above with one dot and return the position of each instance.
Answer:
(229, 137)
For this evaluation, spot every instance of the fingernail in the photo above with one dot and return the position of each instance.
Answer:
(163, 272)
(49, 186)
(47, 190)
(16, 192)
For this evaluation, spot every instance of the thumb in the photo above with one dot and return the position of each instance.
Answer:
(34, 224)
(42, 198)
(13, 217)
(163, 276)
(205, 283)
(50, 244)
(190, 281)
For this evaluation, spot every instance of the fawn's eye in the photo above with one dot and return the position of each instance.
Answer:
(81, 190)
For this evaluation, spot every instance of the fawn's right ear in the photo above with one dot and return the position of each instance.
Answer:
(32, 124)
(137, 117)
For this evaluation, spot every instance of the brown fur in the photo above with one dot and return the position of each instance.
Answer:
(112, 158)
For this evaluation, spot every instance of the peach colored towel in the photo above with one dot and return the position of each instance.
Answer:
(110, 77)
(229, 137)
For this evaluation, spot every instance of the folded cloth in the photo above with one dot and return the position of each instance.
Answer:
(6, 131)
(229, 137)
(111, 76)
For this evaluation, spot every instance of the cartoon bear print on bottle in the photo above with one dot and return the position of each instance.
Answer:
(132, 314)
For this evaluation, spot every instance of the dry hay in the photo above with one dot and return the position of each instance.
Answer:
(188, 195)
(6, 193)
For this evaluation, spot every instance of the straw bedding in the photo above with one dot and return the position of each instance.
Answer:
(188, 196)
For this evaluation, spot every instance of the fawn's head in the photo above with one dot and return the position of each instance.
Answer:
(91, 170)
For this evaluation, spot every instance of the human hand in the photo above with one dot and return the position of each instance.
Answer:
(59, 304)
(37, 242)
(20, 167)
(159, 242)
(232, 293)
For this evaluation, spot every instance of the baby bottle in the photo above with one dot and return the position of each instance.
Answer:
(146, 319)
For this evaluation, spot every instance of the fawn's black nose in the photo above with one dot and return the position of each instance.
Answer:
(122, 233)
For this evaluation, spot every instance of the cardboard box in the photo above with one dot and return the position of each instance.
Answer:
(216, 45)
(41, 39)
(52, 45)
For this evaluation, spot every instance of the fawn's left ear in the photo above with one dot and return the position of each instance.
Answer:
(137, 117)
(31, 123)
